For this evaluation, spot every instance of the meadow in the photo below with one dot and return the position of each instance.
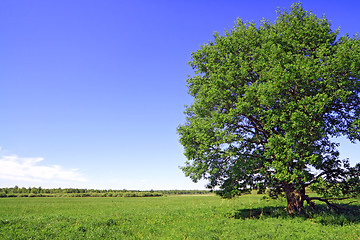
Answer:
(171, 217)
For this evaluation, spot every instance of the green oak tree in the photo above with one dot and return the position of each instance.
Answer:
(268, 103)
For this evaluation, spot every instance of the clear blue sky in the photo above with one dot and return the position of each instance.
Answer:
(91, 92)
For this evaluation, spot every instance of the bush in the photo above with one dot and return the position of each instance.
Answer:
(129, 195)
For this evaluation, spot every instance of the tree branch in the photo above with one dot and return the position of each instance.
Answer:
(316, 178)
(326, 200)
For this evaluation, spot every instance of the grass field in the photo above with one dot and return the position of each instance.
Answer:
(172, 217)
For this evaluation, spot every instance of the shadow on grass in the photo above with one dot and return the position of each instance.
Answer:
(321, 214)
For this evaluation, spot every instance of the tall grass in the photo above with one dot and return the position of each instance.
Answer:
(173, 217)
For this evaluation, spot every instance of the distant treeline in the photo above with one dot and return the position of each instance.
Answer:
(76, 192)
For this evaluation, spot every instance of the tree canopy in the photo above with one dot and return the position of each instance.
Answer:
(268, 103)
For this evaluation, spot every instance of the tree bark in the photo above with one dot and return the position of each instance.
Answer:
(295, 198)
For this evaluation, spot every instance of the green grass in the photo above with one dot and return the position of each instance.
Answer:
(173, 217)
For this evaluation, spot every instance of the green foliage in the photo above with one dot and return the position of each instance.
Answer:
(173, 217)
(75, 192)
(268, 101)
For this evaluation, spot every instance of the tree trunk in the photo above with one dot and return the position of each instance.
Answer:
(295, 198)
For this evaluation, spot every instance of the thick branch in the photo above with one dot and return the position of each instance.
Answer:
(258, 125)
(326, 200)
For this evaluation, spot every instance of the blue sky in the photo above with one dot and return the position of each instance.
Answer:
(92, 91)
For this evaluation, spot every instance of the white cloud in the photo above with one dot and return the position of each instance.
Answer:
(32, 170)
